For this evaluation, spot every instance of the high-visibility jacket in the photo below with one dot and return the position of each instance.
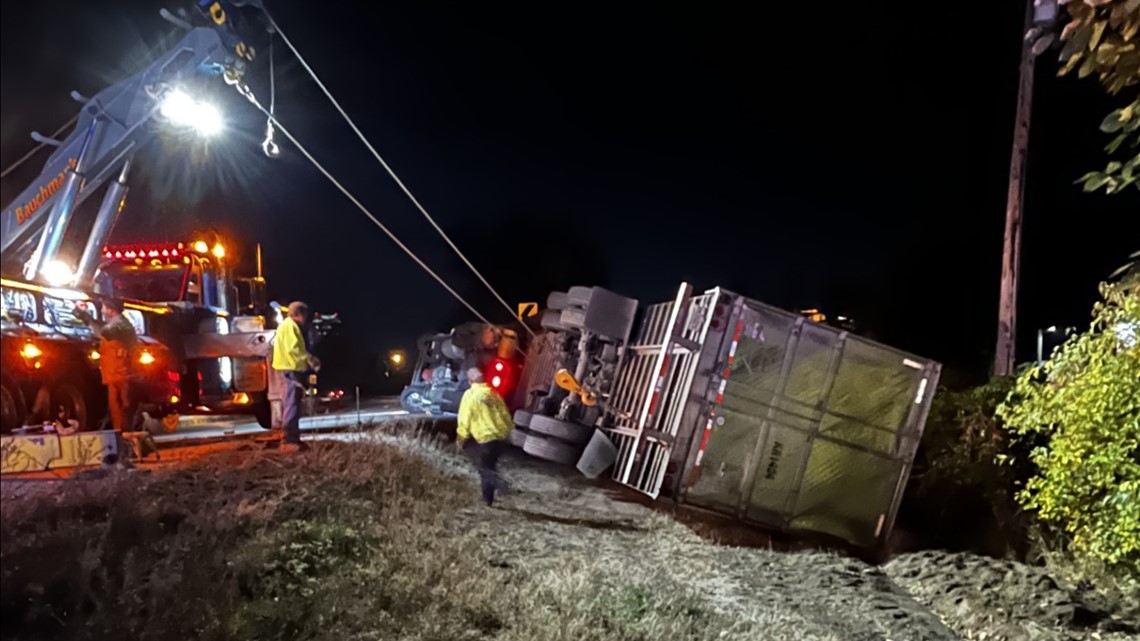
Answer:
(289, 353)
(118, 343)
(483, 415)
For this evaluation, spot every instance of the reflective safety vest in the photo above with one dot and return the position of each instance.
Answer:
(483, 415)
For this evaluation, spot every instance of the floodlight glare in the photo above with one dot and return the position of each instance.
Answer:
(180, 109)
(57, 274)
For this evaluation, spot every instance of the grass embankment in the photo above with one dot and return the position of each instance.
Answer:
(343, 542)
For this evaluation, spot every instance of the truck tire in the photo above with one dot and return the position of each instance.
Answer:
(12, 407)
(413, 401)
(552, 320)
(562, 430)
(522, 418)
(557, 301)
(551, 449)
(573, 317)
(518, 437)
(580, 296)
(68, 403)
(609, 316)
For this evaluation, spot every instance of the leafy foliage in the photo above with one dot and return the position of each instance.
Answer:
(1102, 37)
(1086, 402)
(1118, 174)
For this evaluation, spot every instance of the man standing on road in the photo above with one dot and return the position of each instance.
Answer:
(483, 416)
(293, 360)
(117, 342)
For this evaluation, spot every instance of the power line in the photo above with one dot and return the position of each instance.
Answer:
(321, 168)
(23, 159)
(391, 172)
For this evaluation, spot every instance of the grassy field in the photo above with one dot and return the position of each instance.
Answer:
(386, 538)
(346, 541)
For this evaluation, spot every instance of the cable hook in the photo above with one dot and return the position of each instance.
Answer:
(269, 146)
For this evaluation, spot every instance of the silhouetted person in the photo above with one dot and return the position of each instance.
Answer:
(117, 343)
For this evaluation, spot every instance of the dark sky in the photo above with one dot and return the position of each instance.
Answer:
(851, 156)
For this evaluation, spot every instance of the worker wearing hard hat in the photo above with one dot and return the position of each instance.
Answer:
(483, 416)
(117, 343)
(292, 359)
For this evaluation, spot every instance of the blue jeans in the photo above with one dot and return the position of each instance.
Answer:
(291, 398)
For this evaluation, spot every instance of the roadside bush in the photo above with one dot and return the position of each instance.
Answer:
(961, 495)
(1085, 401)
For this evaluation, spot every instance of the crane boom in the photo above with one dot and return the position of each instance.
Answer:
(112, 126)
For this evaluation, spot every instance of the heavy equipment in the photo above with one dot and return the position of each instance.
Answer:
(43, 280)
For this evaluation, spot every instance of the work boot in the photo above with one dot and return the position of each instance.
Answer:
(293, 447)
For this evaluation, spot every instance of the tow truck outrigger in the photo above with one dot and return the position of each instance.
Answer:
(41, 281)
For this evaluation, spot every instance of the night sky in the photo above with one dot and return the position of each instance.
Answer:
(852, 158)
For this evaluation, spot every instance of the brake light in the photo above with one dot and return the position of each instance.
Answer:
(501, 376)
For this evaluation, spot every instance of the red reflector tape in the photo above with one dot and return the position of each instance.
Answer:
(735, 341)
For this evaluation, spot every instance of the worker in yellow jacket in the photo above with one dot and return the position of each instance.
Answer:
(293, 360)
(483, 416)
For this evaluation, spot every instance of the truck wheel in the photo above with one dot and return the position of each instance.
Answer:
(557, 301)
(68, 404)
(564, 430)
(552, 320)
(412, 400)
(574, 317)
(550, 449)
(580, 296)
(523, 418)
(518, 437)
(12, 408)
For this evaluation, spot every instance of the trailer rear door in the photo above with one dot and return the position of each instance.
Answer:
(654, 381)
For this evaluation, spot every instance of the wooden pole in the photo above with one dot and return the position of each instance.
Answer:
(1004, 356)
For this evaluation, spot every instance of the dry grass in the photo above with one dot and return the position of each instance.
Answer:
(343, 542)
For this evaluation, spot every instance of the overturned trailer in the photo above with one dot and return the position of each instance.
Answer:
(729, 405)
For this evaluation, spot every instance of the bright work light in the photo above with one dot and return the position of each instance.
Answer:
(180, 109)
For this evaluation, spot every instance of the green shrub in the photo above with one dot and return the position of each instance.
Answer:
(1085, 401)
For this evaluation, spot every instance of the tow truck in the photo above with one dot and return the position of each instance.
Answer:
(47, 355)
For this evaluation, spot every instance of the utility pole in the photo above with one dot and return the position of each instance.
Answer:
(1004, 355)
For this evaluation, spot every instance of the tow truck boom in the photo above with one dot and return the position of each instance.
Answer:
(111, 127)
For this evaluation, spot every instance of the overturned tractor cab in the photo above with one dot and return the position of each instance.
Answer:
(439, 378)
